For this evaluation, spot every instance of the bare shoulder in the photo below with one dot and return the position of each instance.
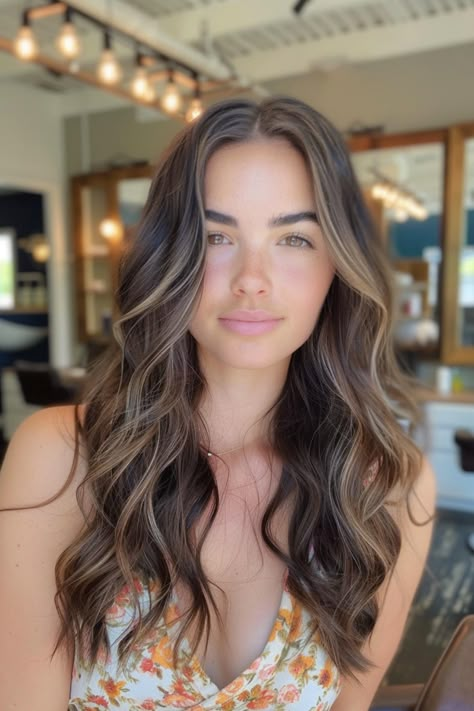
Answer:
(39, 459)
(39, 518)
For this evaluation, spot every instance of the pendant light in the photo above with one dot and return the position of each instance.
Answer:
(195, 105)
(140, 84)
(171, 101)
(108, 70)
(67, 40)
(25, 45)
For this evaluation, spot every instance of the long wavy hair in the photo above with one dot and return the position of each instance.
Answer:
(344, 411)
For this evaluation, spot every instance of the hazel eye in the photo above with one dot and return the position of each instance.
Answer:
(213, 235)
(292, 238)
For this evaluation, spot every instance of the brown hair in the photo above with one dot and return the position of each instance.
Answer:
(338, 416)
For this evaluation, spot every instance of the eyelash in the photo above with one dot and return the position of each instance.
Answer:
(294, 234)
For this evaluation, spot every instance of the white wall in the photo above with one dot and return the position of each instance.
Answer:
(408, 93)
(32, 158)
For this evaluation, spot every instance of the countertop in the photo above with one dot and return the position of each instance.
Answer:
(424, 394)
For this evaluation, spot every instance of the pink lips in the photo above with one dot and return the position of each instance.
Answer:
(249, 323)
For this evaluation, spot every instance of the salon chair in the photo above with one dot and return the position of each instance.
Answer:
(450, 686)
(40, 384)
(465, 442)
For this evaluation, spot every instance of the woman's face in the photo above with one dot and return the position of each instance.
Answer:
(259, 257)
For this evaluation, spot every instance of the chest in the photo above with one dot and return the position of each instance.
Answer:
(236, 559)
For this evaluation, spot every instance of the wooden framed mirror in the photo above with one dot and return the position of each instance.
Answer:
(403, 179)
(458, 277)
(106, 207)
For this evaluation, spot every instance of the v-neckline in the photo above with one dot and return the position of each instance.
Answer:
(278, 642)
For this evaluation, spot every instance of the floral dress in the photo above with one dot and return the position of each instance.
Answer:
(291, 673)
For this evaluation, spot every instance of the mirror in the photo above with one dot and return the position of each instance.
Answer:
(465, 302)
(107, 207)
(132, 195)
(404, 186)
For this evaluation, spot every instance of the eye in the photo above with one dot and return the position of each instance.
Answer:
(212, 235)
(297, 237)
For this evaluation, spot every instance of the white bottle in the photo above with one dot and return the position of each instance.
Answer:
(443, 380)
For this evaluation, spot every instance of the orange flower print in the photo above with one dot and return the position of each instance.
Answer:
(255, 664)
(112, 688)
(267, 671)
(284, 615)
(277, 627)
(235, 685)
(223, 697)
(147, 665)
(99, 700)
(180, 697)
(299, 665)
(295, 629)
(148, 705)
(162, 654)
(326, 675)
(264, 700)
(288, 694)
(243, 696)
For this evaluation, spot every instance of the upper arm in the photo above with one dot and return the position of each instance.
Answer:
(395, 595)
(36, 465)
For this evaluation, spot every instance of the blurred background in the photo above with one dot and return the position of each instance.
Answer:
(90, 94)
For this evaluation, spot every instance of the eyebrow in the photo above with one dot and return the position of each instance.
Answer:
(276, 221)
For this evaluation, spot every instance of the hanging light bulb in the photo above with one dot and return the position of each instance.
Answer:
(140, 82)
(400, 215)
(195, 105)
(108, 70)
(171, 101)
(150, 94)
(67, 40)
(194, 110)
(109, 228)
(25, 45)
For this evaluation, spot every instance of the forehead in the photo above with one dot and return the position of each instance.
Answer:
(258, 169)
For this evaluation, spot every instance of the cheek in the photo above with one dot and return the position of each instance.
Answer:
(307, 286)
(214, 278)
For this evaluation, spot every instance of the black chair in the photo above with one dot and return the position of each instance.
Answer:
(465, 441)
(450, 686)
(40, 384)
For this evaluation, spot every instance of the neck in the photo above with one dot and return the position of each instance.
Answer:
(234, 406)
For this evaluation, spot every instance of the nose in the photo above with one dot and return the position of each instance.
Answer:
(252, 273)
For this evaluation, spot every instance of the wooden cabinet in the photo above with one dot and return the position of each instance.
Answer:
(106, 207)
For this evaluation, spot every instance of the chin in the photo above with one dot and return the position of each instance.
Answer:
(252, 361)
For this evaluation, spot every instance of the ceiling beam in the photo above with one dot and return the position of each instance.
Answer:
(238, 15)
(407, 38)
(130, 20)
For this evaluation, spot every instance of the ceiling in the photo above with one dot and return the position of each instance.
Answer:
(263, 41)
(256, 41)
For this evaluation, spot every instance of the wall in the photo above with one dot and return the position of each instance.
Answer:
(32, 159)
(408, 93)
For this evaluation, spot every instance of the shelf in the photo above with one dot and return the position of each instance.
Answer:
(96, 290)
(96, 252)
(414, 286)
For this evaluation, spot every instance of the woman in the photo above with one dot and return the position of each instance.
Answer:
(240, 527)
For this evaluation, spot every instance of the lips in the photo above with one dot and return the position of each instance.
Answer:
(255, 315)
(249, 328)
